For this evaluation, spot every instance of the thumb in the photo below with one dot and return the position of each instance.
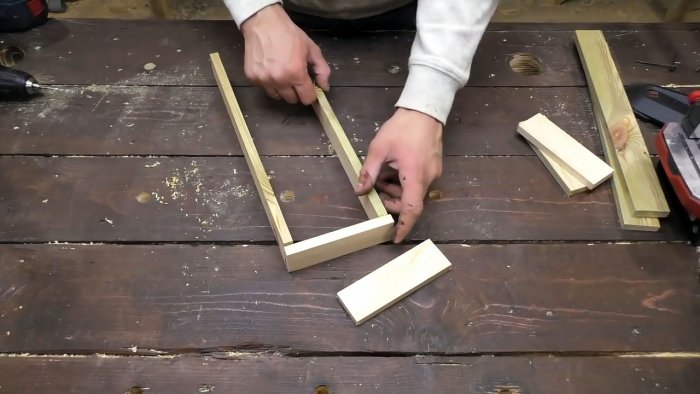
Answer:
(320, 66)
(376, 156)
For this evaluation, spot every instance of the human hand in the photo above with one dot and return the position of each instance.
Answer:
(276, 56)
(410, 144)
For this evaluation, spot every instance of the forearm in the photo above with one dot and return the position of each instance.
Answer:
(241, 10)
(448, 33)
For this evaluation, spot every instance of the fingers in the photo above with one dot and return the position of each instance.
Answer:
(306, 91)
(392, 205)
(288, 94)
(411, 202)
(272, 92)
(390, 189)
(376, 156)
(320, 66)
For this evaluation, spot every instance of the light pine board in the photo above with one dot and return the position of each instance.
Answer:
(393, 281)
(371, 202)
(619, 126)
(623, 204)
(585, 166)
(262, 182)
(568, 182)
(338, 243)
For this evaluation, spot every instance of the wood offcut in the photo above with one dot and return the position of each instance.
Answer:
(393, 281)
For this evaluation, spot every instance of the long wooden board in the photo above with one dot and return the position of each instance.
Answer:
(209, 199)
(346, 153)
(497, 298)
(115, 51)
(193, 121)
(619, 127)
(257, 170)
(393, 281)
(232, 373)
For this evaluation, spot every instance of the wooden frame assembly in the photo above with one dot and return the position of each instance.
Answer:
(297, 255)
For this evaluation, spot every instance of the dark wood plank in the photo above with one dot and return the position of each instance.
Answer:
(158, 199)
(498, 298)
(193, 121)
(114, 52)
(273, 374)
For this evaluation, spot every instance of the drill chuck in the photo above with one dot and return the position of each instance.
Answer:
(17, 85)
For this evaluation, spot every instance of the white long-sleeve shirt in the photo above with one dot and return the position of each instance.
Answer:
(447, 35)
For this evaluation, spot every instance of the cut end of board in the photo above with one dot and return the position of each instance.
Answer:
(393, 281)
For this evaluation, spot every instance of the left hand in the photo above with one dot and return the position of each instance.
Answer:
(410, 143)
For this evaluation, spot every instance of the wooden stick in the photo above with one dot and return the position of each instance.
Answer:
(371, 202)
(338, 243)
(393, 281)
(262, 183)
(629, 155)
(569, 153)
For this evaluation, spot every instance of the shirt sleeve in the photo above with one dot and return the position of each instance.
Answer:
(447, 35)
(241, 10)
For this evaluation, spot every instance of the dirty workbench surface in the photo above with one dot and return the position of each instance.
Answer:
(134, 251)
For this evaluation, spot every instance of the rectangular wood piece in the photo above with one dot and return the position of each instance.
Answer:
(564, 178)
(338, 243)
(262, 182)
(371, 203)
(585, 166)
(619, 127)
(393, 281)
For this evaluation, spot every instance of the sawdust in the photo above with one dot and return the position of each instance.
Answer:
(199, 197)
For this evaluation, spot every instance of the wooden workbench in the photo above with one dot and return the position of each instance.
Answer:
(135, 252)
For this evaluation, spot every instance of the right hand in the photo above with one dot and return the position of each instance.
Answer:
(276, 56)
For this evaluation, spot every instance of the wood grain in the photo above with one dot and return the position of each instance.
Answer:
(619, 127)
(371, 203)
(231, 373)
(257, 170)
(497, 298)
(214, 199)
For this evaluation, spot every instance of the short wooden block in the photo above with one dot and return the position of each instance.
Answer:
(306, 253)
(579, 161)
(564, 178)
(393, 281)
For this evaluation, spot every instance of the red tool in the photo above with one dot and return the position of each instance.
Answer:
(679, 152)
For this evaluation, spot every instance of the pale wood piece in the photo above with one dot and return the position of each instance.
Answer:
(338, 243)
(585, 166)
(262, 182)
(622, 201)
(568, 182)
(371, 202)
(393, 281)
(620, 127)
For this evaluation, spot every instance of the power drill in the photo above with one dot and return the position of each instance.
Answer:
(18, 85)
(20, 15)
